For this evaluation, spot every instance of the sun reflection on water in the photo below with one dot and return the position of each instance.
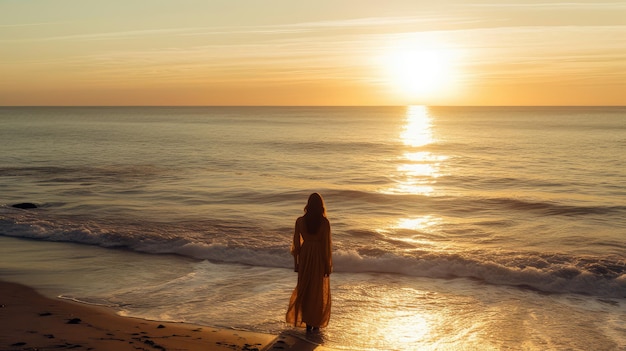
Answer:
(417, 131)
(414, 230)
(407, 328)
(399, 317)
(419, 168)
(419, 223)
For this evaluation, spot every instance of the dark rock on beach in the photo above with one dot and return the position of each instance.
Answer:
(25, 205)
(74, 321)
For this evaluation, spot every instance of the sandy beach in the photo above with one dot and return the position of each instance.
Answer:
(30, 321)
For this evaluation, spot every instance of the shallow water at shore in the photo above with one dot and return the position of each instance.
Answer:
(371, 311)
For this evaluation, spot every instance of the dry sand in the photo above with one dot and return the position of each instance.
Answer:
(30, 321)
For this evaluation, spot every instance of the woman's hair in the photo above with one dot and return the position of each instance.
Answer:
(314, 211)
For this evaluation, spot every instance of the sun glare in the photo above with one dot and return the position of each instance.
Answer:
(417, 131)
(418, 168)
(419, 72)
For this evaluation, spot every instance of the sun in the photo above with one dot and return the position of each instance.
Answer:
(422, 73)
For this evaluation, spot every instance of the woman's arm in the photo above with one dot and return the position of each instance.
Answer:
(329, 251)
(295, 247)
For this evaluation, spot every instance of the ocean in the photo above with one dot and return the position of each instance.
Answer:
(454, 228)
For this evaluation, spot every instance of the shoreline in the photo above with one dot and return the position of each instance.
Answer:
(30, 321)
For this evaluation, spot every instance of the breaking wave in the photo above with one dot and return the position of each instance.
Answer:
(544, 272)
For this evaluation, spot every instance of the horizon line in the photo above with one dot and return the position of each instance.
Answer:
(257, 106)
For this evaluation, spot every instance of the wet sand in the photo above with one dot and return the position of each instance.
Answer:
(30, 321)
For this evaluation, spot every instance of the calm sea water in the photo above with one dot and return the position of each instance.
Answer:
(453, 228)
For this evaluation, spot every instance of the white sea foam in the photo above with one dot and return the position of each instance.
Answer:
(599, 276)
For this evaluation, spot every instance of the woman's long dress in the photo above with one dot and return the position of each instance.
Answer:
(310, 300)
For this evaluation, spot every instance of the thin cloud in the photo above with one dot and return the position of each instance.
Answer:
(557, 5)
(371, 24)
(101, 36)
(29, 24)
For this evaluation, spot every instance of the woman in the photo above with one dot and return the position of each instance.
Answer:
(311, 249)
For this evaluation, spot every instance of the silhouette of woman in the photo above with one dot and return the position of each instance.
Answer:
(311, 249)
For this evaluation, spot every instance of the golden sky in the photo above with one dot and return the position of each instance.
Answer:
(323, 52)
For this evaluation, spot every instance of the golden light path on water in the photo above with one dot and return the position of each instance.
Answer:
(418, 170)
(406, 321)
(417, 131)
